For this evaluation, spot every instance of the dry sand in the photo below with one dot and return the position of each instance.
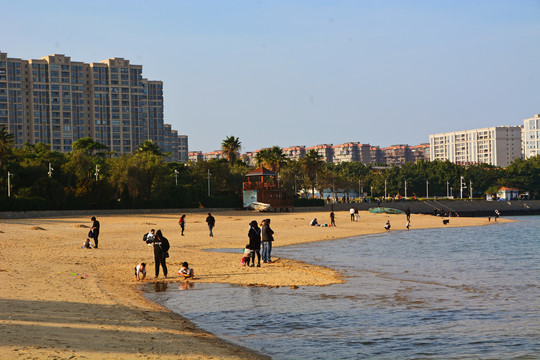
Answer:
(59, 301)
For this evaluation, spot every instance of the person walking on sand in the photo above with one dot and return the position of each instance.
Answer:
(387, 226)
(332, 219)
(267, 235)
(182, 223)
(95, 230)
(352, 214)
(254, 235)
(161, 252)
(211, 222)
(408, 213)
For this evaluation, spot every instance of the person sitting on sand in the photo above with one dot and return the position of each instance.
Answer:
(86, 244)
(314, 222)
(387, 226)
(185, 271)
(140, 271)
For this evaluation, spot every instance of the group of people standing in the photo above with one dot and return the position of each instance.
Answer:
(259, 235)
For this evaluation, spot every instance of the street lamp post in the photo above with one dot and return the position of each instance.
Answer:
(50, 170)
(470, 189)
(447, 187)
(427, 189)
(209, 182)
(384, 190)
(9, 184)
(97, 173)
(405, 189)
(333, 191)
(176, 176)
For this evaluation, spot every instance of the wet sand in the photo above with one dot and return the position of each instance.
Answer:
(59, 301)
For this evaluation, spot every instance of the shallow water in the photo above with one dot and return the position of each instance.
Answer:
(437, 294)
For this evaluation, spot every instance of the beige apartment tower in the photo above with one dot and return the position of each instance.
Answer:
(497, 146)
(531, 136)
(57, 101)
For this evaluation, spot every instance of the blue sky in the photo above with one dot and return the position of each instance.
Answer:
(305, 72)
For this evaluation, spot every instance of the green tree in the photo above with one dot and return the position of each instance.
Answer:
(230, 146)
(135, 177)
(90, 146)
(149, 147)
(6, 142)
(524, 175)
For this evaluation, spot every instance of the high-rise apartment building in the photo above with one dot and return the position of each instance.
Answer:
(497, 146)
(295, 152)
(531, 136)
(57, 101)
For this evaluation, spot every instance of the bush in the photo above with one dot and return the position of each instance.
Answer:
(308, 202)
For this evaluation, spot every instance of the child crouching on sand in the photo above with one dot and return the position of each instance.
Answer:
(185, 271)
(140, 271)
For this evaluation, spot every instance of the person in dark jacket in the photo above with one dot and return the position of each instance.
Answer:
(267, 238)
(211, 223)
(161, 252)
(95, 230)
(254, 235)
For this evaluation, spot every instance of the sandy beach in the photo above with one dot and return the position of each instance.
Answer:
(59, 301)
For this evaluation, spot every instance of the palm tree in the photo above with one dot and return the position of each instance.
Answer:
(230, 146)
(6, 142)
(311, 164)
(273, 158)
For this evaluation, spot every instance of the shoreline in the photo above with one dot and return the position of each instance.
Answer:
(61, 300)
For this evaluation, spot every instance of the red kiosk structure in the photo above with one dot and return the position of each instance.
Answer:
(265, 192)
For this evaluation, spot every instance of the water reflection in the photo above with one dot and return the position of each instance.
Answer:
(160, 286)
(440, 293)
(185, 285)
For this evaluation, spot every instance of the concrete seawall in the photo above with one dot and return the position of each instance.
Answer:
(462, 207)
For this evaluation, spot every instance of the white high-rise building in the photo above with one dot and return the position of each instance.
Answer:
(497, 146)
(531, 136)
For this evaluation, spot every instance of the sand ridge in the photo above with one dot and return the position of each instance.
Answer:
(61, 301)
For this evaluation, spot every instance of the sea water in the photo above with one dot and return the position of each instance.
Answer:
(447, 293)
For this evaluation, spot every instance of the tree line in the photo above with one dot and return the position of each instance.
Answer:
(91, 177)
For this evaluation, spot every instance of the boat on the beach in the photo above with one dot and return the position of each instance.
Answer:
(385, 210)
(259, 206)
